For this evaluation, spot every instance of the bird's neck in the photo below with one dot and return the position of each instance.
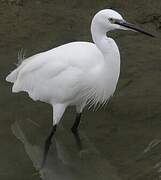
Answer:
(110, 68)
(100, 38)
(108, 48)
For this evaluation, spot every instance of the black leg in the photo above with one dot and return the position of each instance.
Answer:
(76, 123)
(47, 145)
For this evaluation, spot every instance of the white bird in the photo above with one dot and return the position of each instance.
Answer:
(77, 73)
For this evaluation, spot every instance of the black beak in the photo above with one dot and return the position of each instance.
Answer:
(132, 26)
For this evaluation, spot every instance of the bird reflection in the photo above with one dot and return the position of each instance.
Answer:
(48, 144)
(68, 156)
(77, 139)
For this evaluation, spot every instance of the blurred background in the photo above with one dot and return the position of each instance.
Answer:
(121, 141)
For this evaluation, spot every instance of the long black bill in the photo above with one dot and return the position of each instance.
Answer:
(132, 26)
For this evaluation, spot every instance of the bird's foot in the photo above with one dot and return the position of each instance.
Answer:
(47, 145)
(77, 137)
(74, 130)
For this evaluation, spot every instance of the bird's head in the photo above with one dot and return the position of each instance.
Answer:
(108, 19)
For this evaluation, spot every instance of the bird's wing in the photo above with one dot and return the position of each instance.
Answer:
(36, 69)
(61, 71)
(47, 76)
(78, 54)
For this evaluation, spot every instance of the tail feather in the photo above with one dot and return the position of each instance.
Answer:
(21, 57)
(12, 77)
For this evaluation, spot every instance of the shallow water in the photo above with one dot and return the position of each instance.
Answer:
(65, 160)
(119, 142)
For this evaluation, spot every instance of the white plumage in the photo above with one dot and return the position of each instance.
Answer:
(77, 73)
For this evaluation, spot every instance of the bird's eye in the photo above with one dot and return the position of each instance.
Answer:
(111, 20)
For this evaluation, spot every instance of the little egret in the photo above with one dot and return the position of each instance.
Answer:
(77, 73)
